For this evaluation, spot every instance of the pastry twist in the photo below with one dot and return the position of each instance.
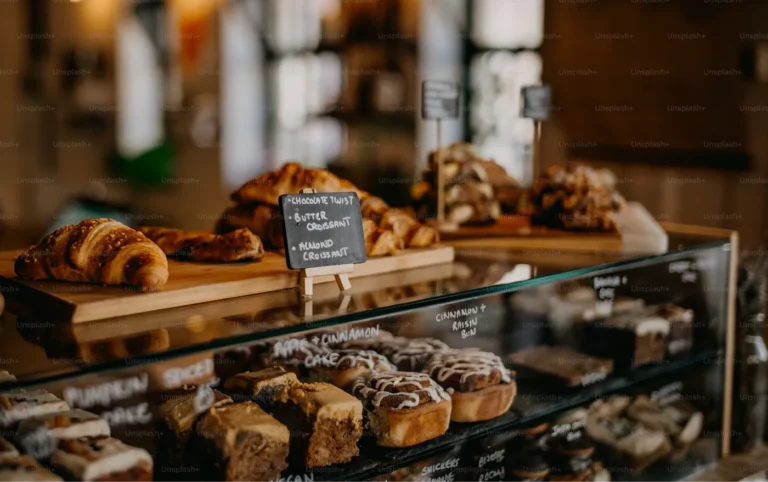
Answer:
(236, 245)
(96, 251)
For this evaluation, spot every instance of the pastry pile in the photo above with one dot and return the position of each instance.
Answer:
(573, 197)
(477, 190)
(387, 230)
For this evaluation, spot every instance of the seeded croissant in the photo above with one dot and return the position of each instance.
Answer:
(96, 251)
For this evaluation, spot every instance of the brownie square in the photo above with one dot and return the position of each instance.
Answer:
(25, 468)
(103, 459)
(630, 339)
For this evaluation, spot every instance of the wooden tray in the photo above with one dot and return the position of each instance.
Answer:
(638, 233)
(189, 283)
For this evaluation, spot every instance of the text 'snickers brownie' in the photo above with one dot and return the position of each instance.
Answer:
(242, 442)
(179, 414)
(350, 364)
(481, 388)
(410, 355)
(562, 365)
(101, 459)
(325, 423)
(18, 405)
(403, 408)
(25, 468)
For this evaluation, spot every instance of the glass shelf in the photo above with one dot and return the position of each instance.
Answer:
(40, 351)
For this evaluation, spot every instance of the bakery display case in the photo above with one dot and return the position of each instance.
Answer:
(501, 365)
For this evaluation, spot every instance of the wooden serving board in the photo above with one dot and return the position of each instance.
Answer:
(189, 283)
(638, 233)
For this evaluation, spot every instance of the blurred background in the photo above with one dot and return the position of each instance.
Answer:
(154, 111)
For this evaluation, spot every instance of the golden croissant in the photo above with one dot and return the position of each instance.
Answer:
(96, 251)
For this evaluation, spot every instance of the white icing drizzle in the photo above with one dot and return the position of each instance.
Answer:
(379, 386)
(468, 362)
(414, 350)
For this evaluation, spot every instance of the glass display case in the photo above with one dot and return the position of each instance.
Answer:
(616, 367)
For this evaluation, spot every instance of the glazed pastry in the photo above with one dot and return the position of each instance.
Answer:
(573, 197)
(481, 388)
(242, 442)
(101, 458)
(260, 386)
(324, 421)
(630, 339)
(181, 412)
(7, 449)
(411, 354)
(43, 432)
(529, 465)
(403, 408)
(296, 357)
(631, 443)
(6, 376)
(682, 424)
(562, 365)
(350, 364)
(96, 251)
(291, 179)
(23, 468)
(237, 245)
(21, 404)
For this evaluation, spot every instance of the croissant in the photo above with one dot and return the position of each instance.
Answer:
(260, 219)
(291, 179)
(96, 251)
(373, 207)
(411, 232)
(237, 245)
(380, 242)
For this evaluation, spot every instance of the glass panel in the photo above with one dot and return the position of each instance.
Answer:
(659, 322)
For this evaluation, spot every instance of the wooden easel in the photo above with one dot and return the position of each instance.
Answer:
(306, 282)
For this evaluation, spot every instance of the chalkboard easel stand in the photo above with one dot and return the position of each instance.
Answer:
(306, 275)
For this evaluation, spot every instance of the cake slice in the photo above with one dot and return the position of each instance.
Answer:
(403, 408)
(21, 404)
(101, 458)
(631, 444)
(325, 423)
(259, 386)
(39, 436)
(179, 415)
(242, 442)
(23, 468)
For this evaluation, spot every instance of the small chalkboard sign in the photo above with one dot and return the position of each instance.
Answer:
(537, 102)
(439, 100)
(323, 235)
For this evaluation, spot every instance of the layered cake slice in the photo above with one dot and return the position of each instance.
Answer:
(179, 415)
(102, 459)
(243, 442)
(403, 408)
(562, 365)
(350, 364)
(480, 386)
(681, 422)
(17, 405)
(23, 468)
(325, 423)
(39, 436)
